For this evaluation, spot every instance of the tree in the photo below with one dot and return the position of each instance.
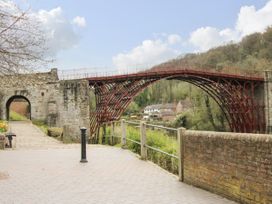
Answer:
(21, 40)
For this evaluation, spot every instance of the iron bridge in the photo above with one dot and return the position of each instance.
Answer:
(236, 94)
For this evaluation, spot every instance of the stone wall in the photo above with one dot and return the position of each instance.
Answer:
(36, 88)
(61, 103)
(237, 166)
(74, 108)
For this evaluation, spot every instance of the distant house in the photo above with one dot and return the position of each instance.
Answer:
(167, 115)
(183, 105)
(152, 109)
(158, 108)
(165, 112)
(160, 111)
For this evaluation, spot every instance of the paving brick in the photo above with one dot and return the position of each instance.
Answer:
(47, 171)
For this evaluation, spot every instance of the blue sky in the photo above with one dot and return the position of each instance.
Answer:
(118, 34)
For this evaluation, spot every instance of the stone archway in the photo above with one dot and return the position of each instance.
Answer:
(18, 98)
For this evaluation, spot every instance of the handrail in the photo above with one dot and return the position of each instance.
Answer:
(151, 125)
(132, 122)
(133, 141)
(161, 69)
(162, 127)
(163, 152)
(142, 142)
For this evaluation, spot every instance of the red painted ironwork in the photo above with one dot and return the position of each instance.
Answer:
(235, 95)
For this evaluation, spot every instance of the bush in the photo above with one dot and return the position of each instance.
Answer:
(134, 134)
(3, 126)
(159, 139)
(54, 132)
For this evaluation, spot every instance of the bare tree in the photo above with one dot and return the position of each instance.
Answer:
(22, 42)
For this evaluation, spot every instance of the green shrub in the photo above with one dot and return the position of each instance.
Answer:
(3, 126)
(134, 134)
(159, 139)
(54, 131)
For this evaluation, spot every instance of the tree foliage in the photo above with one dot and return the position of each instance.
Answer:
(22, 43)
(252, 54)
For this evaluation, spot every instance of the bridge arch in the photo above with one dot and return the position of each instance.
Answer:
(17, 97)
(234, 95)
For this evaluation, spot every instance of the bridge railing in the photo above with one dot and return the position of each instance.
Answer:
(90, 73)
(87, 73)
(159, 144)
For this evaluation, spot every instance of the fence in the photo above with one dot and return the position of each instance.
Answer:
(69, 74)
(144, 149)
(237, 166)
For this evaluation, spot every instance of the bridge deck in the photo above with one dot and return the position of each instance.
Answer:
(178, 72)
(53, 174)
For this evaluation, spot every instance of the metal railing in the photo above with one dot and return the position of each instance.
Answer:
(91, 73)
(144, 147)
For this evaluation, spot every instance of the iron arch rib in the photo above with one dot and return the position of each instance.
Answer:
(242, 111)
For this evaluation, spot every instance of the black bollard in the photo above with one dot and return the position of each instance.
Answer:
(83, 145)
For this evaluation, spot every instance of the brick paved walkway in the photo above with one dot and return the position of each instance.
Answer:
(52, 174)
(30, 136)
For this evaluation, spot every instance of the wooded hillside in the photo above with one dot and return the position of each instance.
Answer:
(252, 54)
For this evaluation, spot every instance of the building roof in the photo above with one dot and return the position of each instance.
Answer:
(161, 106)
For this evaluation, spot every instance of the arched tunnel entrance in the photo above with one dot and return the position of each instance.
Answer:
(18, 108)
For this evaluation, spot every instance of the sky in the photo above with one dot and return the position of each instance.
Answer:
(104, 36)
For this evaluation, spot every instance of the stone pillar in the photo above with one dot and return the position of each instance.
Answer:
(268, 100)
(73, 108)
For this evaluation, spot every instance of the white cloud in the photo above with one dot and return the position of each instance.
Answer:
(249, 21)
(59, 31)
(165, 46)
(207, 37)
(149, 53)
(174, 39)
(79, 21)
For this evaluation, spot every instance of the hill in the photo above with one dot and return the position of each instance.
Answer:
(252, 55)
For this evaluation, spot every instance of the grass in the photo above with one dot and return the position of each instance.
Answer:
(42, 125)
(16, 116)
(50, 131)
